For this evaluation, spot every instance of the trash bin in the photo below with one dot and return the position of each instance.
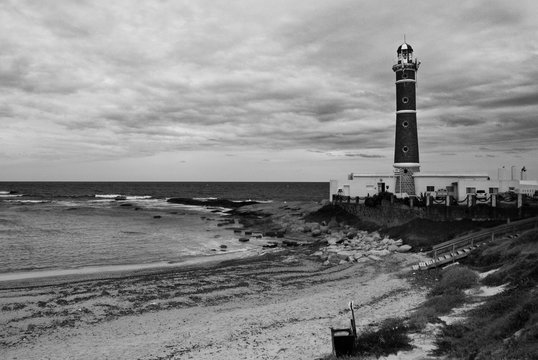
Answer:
(343, 341)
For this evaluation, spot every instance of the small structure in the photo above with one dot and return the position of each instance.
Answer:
(344, 340)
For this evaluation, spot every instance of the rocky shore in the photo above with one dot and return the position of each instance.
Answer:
(278, 305)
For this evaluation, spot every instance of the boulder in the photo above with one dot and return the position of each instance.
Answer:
(290, 242)
(393, 248)
(318, 253)
(342, 262)
(358, 255)
(316, 232)
(398, 242)
(333, 223)
(333, 259)
(373, 257)
(244, 239)
(404, 248)
(344, 254)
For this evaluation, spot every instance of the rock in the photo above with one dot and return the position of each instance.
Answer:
(373, 257)
(157, 216)
(333, 223)
(344, 254)
(333, 259)
(342, 262)
(358, 255)
(318, 253)
(326, 262)
(393, 248)
(331, 241)
(404, 248)
(351, 234)
(244, 239)
(325, 202)
(270, 245)
(350, 259)
(316, 232)
(223, 247)
(324, 229)
(398, 242)
(290, 242)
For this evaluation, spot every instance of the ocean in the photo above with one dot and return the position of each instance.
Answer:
(81, 227)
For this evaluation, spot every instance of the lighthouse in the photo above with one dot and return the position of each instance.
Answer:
(406, 159)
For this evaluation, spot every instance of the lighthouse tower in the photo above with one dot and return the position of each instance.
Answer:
(406, 160)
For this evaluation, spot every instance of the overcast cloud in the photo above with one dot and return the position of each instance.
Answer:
(256, 90)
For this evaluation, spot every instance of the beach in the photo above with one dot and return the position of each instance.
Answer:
(278, 304)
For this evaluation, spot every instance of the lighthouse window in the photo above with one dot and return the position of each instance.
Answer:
(404, 76)
(405, 124)
(405, 100)
(405, 149)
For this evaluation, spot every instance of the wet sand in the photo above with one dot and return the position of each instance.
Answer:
(276, 306)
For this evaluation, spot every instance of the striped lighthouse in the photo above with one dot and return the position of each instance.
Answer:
(406, 160)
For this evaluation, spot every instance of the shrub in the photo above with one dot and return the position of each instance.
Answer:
(455, 278)
(444, 303)
(388, 339)
(419, 318)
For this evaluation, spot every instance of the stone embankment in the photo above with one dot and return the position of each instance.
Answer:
(340, 242)
(351, 245)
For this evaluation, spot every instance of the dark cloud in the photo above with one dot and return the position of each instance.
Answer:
(369, 156)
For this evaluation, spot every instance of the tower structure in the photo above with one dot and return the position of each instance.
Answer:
(406, 159)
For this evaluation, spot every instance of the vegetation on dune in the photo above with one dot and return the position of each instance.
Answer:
(389, 338)
(506, 325)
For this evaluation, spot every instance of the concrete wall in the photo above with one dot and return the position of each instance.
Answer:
(363, 185)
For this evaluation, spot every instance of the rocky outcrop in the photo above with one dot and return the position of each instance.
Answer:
(351, 245)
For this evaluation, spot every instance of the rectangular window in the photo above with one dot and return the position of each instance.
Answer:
(470, 190)
(493, 190)
(430, 188)
(450, 188)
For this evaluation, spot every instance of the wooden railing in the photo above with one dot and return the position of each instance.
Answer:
(471, 240)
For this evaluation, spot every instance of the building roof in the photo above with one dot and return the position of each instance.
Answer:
(373, 175)
(404, 46)
(451, 175)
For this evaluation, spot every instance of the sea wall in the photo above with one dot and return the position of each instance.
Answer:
(389, 214)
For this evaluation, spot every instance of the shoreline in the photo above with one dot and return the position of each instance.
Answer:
(277, 306)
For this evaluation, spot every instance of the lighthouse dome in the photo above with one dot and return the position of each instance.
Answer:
(404, 47)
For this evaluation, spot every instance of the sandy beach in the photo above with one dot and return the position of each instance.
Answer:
(279, 305)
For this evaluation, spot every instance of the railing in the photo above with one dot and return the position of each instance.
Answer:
(471, 240)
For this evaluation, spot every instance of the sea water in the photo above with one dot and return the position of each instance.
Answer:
(61, 226)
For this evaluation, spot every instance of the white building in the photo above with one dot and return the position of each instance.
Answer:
(452, 184)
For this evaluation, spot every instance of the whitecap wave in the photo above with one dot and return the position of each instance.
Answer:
(108, 196)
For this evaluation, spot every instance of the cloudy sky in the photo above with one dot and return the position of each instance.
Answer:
(254, 90)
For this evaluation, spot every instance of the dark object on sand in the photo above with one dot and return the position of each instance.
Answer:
(157, 216)
(244, 239)
(343, 340)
